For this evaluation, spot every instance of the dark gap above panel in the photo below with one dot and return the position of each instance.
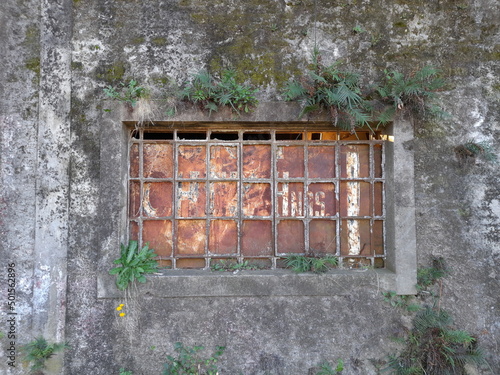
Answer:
(159, 135)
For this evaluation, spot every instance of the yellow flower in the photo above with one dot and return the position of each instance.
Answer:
(118, 308)
(122, 314)
(121, 305)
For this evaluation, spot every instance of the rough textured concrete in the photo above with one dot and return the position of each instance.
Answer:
(55, 59)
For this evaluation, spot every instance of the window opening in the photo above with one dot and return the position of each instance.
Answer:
(201, 197)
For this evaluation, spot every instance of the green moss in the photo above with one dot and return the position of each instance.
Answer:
(137, 40)
(400, 24)
(76, 65)
(33, 64)
(113, 73)
(159, 41)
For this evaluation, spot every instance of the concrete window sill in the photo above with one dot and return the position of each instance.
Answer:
(199, 283)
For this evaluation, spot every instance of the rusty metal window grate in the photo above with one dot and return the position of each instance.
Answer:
(201, 196)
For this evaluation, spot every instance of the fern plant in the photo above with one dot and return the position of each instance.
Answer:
(211, 93)
(189, 362)
(38, 351)
(133, 264)
(129, 93)
(414, 93)
(337, 91)
(301, 263)
(434, 347)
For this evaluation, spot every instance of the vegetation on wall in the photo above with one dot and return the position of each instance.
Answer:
(38, 351)
(128, 93)
(211, 93)
(335, 90)
(316, 264)
(471, 150)
(415, 93)
(432, 345)
(133, 264)
(189, 362)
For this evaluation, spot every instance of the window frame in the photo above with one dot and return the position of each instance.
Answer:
(399, 274)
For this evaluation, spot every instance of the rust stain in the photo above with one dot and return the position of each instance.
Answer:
(257, 161)
(257, 200)
(257, 238)
(223, 237)
(191, 199)
(157, 199)
(289, 161)
(377, 160)
(135, 199)
(223, 162)
(224, 199)
(355, 161)
(134, 160)
(158, 160)
(290, 199)
(191, 237)
(291, 236)
(322, 238)
(321, 199)
(355, 238)
(321, 161)
(158, 233)
(191, 162)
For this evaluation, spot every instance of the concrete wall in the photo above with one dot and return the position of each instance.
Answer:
(60, 215)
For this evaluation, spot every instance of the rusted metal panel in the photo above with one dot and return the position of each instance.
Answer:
(322, 236)
(355, 198)
(223, 162)
(158, 160)
(134, 231)
(378, 237)
(224, 199)
(378, 198)
(157, 199)
(321, 199)
(191, 161)
(134, 199)
(158, 233)
(257, 238)
(257, 200)
(290, 236)
(321, 161)
(191, 199)
(377, 160)
(257, 161)
(190, 263)
(290, 161)
(223, 237)
(355, 237)
(355, 161)
(290, 199)
(134, 161)
(191, 237)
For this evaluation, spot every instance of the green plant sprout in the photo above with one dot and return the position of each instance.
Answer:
(125, 372)
(301, 263)
(326, 369)
(472, 149)
(189, 362)
(129, 93)
(38, 351)
(211, 93)
(231, 266)
(414, 93)
(134, 264)
(337, 91)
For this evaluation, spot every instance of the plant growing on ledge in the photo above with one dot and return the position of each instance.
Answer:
(211, 93)
(134, 264)
(38, 351)
(301, 263)
(337, 91)
(188, 361)
(414, 93)
(128, 93)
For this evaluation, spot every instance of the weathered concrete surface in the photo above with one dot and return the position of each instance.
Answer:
(56, 56)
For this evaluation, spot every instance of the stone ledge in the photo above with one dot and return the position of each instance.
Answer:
(199, 283)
